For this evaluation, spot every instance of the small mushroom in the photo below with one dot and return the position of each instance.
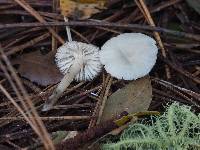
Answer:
(129, 56)
(75, 60)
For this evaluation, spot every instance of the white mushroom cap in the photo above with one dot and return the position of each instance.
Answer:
(73, 51)
(129, 56)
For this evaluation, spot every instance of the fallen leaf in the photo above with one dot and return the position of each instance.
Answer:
(195, 4)
(38, 68)
(134, 97)
(81, 9)
(3, 147)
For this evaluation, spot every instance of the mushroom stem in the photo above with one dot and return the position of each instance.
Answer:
(64, 83)
(69, 36)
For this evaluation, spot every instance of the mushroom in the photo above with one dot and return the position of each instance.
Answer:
(75, 60)
(129, 56)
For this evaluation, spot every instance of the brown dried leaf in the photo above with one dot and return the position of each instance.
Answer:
(38, 68)
(81, 9)
(134, 97)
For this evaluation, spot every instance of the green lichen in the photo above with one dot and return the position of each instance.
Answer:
(177, 129)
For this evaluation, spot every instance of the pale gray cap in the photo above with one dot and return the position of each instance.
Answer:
(129, 56)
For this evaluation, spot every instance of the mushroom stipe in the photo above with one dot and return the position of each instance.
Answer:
(75, 60)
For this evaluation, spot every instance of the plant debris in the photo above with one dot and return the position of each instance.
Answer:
(134, 97)
(30, 26)
(81, 9)
(38, 68)
(177, 128)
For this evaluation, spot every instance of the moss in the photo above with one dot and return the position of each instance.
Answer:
(177, 129)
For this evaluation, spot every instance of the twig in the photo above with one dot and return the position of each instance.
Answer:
(85, 105)
(181, 71)
(160, 7)
(104, 100)
(80, 35)
(25, 13)
(170, 85)
(31, 85)
(51, 118)
(13, 144)
(28, 106)
(54, 44)
(103, 24)
(177, 90)
(28, 8)
(16, 49)
(149, 19)
(99, 102)
(20, 36)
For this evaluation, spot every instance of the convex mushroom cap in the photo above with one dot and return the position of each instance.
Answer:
(129, 56)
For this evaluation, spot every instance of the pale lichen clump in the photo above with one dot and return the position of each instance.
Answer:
(177, 129)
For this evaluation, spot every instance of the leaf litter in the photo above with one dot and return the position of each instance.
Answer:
(38, 68)
(81, 9)
(134, 97)
(41, 69)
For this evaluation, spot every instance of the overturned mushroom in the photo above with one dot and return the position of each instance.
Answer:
(129, 56)
(75, 60)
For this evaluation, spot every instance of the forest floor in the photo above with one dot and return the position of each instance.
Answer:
(28, 73)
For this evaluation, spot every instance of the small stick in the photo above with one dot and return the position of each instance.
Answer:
(27, 44)
(182, 71)
(54, 43)
(170, 85)
(104, 100)
(51, 118)
(85, 105)
(34, 13)
(31, 85)
(93, 133)
(103, 24)
(28, 106)
(99, 102)
(149, 19)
